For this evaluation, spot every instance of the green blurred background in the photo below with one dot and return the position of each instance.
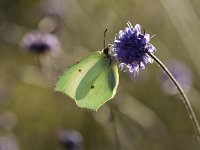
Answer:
(143, 115)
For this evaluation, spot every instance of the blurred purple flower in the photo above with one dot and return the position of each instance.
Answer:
(130, 48)
(72, 140)
(54, 7)
(9, 142)
(8, 120)
(182, 74)
(39, 42)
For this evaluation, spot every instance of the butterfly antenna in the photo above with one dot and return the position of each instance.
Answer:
(104, 39)
(106, 49)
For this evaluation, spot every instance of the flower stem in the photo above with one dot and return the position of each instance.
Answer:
(114, 121)
(185, 100)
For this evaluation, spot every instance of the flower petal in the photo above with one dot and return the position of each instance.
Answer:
(138, 28)
(147, 37)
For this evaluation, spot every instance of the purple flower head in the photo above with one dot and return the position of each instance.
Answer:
(39, 42)
(130, 48)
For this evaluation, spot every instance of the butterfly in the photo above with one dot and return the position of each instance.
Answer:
(90, 82)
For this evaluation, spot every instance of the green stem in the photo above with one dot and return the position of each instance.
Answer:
(183, 95)
(116, 136)
(41, 69)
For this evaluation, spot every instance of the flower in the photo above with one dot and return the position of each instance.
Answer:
(130, 48)
(72, 140)
(181, 72)
(55, 7)
(9, 141)
(39, 42)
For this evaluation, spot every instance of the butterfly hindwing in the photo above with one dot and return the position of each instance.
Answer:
(90, 77)
(103, 89)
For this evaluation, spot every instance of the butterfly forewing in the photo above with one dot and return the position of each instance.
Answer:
(69, 81)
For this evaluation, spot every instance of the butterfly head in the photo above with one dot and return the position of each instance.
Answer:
(106, 51)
